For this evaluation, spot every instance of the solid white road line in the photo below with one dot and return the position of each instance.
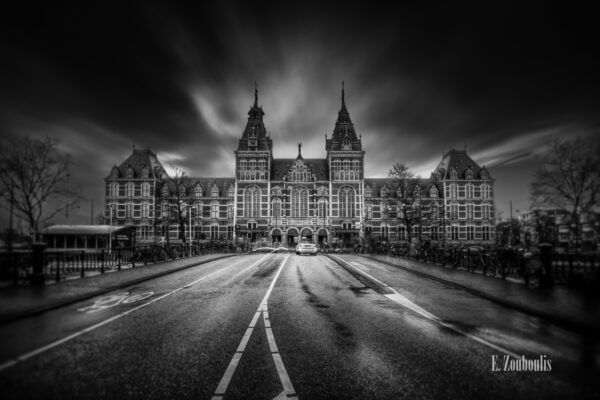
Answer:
(403, 301)
(58, 342)
(288, 388)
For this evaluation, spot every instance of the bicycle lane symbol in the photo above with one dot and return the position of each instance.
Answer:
(114, 300)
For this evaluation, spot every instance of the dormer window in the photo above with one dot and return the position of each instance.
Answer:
(165, 191)
(384, 192)
(368, 192)
(433, 192)
(129, 173)
(231, 191)
(453, 174)
(469, 174)
(115, 172)
(214, 191)
(346, 145)
(181, 190)
(145, 173)
(484, 174)
(198, 192)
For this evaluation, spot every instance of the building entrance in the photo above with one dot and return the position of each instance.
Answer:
(322, 236)
(292, 237)
(276, 237)
(307, 235)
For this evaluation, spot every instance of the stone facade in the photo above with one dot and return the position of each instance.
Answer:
(320, 199)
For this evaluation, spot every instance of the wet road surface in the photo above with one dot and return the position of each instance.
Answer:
(286, 326)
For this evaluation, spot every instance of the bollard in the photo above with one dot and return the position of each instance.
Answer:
(102, 261)
(546, 258)
(82, 274)
(38, 277)
(119, 259)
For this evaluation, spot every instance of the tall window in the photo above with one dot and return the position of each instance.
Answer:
(469, 188)
(469, 211)
(145, 189)
(453, 190)
(485, 208)
(346, 199)
(276, 208)
(486, 191)
(453, 211)
(252, 201)
(113, 190)
(369, 210)
(470, 232)
(454, 233)
(486, 232)
(402, 232)
(300, 202)
(322, 210)
(214, 209)
(130, 189)
(230, 210)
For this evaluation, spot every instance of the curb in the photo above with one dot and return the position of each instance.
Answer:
(86, 296)
(581, 328)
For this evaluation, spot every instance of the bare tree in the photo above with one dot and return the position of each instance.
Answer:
(569, 179)
(34, 179)
(178, 200)
(408, 194)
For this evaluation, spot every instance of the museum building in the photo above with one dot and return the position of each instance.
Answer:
(284, 200)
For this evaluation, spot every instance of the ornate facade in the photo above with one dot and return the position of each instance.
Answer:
(321, 199)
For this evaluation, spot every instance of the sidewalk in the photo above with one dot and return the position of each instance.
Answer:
(22, 301)
(575, 310)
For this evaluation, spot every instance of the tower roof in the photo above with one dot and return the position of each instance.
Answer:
(254, 136)
(344, 136)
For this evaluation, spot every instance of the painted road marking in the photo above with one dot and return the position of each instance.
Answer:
(72, 336)
(114, 300)
(403, 301)
(288, 388)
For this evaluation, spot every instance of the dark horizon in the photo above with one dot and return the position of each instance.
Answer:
(502, 79)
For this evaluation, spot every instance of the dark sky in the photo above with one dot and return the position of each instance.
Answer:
(502, 79)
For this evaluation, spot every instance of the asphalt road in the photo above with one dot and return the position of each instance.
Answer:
(286, 326)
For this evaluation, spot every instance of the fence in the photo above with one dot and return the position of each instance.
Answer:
(18, 267)
(503, 263)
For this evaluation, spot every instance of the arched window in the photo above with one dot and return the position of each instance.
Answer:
(261, 165)
(252, 165)
(346, 145)
(231, 191)
(145, 189)
(368, 192)
(433, 192)
(214, 191)
(243, 164)
(252, 201)
(300, 202)
(198, 192)
(346, 199)
(484, 173)
(130, 188)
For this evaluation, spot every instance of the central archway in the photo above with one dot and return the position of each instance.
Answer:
(307, 234)
(292, 236)
(276, 237)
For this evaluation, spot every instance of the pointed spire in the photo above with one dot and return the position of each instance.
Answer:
(343, 98)
(255, 94)
(299, 149)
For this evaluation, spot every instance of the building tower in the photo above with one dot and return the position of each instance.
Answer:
(253, 159)
(345, 160)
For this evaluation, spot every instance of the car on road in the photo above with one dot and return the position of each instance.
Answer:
(306, 248)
